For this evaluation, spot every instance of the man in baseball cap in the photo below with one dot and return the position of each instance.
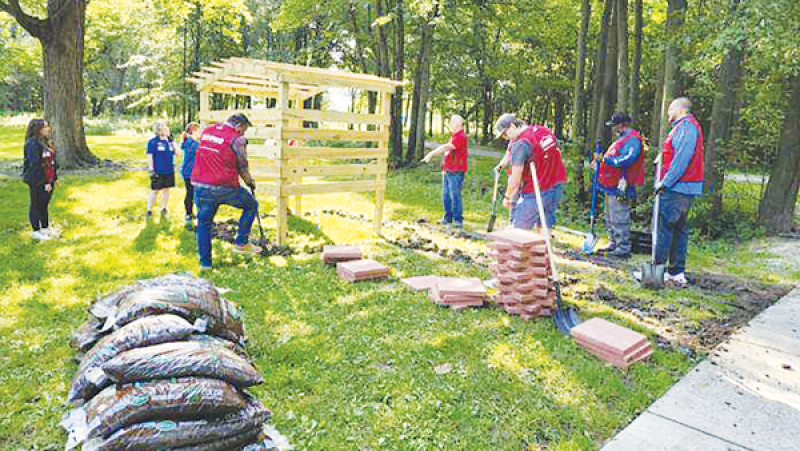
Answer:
(220, 161)
(621, 171)
(537, 145)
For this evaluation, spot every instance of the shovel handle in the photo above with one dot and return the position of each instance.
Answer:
(543, 222)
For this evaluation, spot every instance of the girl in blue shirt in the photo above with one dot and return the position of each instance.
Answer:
(160, 158)
(191, 141)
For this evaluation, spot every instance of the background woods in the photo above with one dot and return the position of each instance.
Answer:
(565, 64)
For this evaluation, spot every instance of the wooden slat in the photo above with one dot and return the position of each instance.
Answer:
(337, 116)
(263, 150)
(334, 135)
(267, 188)
(387, 84)
(324, 188)
(338, 170)
(324, 153)
(262, 132)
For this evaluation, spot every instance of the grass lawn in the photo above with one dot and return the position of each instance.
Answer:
(347, 367)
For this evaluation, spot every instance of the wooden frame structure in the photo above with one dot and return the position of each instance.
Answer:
(283, 170)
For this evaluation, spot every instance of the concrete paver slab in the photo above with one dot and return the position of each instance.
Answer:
(654, 433)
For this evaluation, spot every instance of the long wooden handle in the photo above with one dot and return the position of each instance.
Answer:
(543, 222)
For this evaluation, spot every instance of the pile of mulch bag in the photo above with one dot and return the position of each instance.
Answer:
(164, 367)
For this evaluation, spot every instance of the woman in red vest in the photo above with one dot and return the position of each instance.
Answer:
(621, 171)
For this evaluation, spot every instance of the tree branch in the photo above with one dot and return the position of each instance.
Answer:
(31, 24)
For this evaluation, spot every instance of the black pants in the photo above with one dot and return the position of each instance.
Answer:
(188, 201)
(40, 200)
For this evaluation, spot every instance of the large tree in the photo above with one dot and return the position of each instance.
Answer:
(61, 34)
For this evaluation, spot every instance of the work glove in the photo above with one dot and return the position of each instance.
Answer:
(622, 186)
(660, 188)
(252, 186)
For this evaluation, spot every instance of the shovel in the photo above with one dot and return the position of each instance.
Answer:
(493, 218)
(590, 241)
(652, 274)
(563, 319)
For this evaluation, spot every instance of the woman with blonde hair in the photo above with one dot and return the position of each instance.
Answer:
(160, 164)
(39, 173)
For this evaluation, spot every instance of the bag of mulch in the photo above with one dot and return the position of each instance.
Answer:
(227, 344)
(148, 331)
(87, 335)
(160, 435)
(224, 318)
(182, 359)
(175, 399)
(234, 442)
(102, 307)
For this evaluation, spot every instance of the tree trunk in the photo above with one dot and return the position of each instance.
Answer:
(722, 120)
(596, 132)
(382, 47)
(658, 107)
(776, 209)
(579, 91)
(636, 77)
(608, 90)
(623, 81)
(415, 100)
(487, 98)
(397, 98)
(672, 55)
(427, 44)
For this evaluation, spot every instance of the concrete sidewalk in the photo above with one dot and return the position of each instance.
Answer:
(746, 396)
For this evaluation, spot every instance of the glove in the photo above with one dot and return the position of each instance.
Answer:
(660, 188)
(252, 187)
(622, 186)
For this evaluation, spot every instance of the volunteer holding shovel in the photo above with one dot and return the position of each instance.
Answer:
(681, 181)
(621, 171)
(454, 167)
(537, 144)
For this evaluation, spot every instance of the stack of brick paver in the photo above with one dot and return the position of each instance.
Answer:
(522, 270)
(358, 270)
(615, 344)
(335, 254)
(458, 294)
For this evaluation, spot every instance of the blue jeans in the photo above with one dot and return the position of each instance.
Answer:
(525, 210)
(452, 182)
(208, 200)
(673, 231)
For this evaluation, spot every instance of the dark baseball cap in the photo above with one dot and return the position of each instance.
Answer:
(502, 124)
(619, 118)
(240, 119)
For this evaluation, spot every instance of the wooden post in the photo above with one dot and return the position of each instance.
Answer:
(298, 105)
(204, 103)
(282, 164)
(381, 178)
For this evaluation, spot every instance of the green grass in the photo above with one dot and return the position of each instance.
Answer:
(364, 366)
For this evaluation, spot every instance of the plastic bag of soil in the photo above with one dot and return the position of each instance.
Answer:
(182, 359)
(103, 306)
(224, 318)
(176, 399)
(169, 435)
(227, 344)
(87, 335)
(234, 442)
(148, 331)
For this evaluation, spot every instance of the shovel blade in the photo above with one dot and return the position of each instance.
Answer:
(561, 321)
(653, 276)
(492, 220)
(589, 243)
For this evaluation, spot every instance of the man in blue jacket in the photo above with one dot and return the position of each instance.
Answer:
(680, 182)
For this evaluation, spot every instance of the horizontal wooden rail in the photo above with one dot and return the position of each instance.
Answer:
(344, 169)
(333, 135)
(324, 188)
(330, 153)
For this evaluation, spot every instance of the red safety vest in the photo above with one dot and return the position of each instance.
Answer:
(695, 172)
(608, 176)
(550, 168)
(215, 161)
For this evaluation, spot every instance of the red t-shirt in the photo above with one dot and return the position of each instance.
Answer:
(49, 165)
(456, 160)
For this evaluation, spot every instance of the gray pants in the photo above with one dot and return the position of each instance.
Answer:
(618, 223)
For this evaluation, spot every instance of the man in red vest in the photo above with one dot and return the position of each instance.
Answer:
(220, 160)
(681, 181)
(621, 171)
(454, 167)
(532, 144)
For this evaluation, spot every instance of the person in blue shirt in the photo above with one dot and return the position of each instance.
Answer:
(189, 145)
(161, 167)
(621, 169)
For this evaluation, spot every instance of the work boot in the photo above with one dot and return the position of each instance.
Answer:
(249, 248)
(619, 253)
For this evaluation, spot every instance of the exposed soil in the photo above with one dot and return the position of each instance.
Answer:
(226, 231)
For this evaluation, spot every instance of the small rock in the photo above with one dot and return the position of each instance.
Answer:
(786, 366)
